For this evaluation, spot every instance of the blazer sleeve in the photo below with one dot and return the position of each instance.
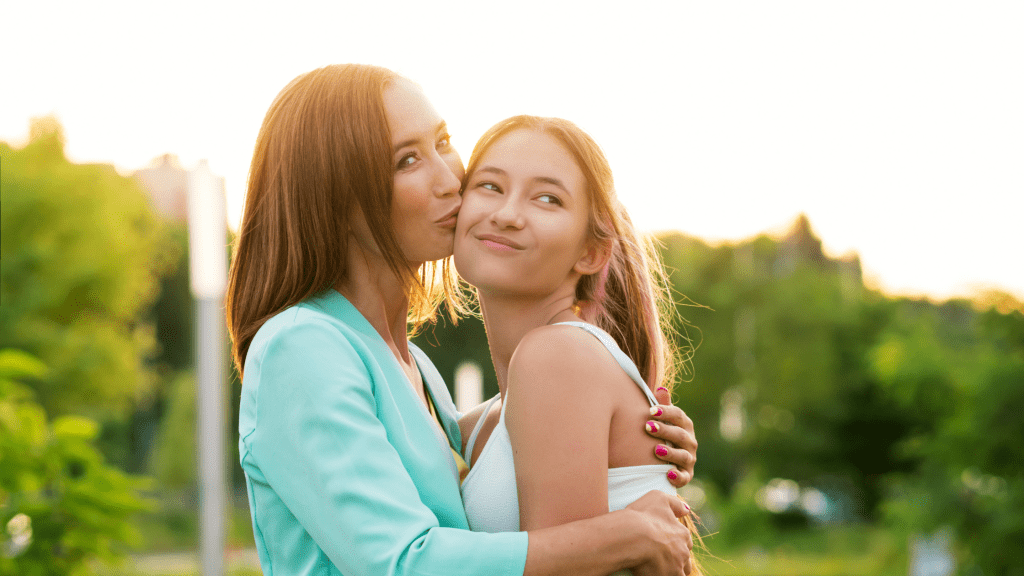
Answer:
(321, 447)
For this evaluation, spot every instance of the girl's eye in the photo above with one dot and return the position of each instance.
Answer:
(489, 186)
(550, 199)
(406, 161)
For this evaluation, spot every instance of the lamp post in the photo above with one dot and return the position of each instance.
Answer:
(207, 233)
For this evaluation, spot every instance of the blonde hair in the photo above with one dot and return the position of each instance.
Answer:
(323, 151)
(629, 298)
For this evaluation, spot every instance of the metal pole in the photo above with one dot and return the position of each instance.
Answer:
(207, 232)
(210, 433)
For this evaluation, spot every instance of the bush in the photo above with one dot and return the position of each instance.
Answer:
(61, 506)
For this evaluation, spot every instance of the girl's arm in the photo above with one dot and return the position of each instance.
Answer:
(561, 458)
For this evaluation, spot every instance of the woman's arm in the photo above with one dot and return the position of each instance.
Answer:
(320, 444)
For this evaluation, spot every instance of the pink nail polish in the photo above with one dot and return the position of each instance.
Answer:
(687, 507)
(652, 427)
(660, 388)
(672, 475)
(658, 411)
(661, 450)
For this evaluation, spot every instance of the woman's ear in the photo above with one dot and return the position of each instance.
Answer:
(594, 258)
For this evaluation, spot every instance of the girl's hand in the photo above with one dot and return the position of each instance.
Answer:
(670, 541)
(671, 424)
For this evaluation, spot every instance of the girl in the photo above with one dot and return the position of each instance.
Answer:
(574, 307)
(346, 429)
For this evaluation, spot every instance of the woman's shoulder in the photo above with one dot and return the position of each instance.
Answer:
(308, 326)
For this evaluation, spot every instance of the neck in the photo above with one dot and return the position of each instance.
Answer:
(379, 295)
(508, 319)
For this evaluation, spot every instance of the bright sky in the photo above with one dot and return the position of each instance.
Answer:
(897, 127)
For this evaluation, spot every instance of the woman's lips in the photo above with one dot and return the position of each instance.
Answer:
(450, 219)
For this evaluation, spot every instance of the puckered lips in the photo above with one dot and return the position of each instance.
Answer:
(449, 220)
(499, 243)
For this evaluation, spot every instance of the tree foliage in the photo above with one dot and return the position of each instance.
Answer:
(80, 257)
(61, 506)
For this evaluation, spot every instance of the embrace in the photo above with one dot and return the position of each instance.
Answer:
(357, 216)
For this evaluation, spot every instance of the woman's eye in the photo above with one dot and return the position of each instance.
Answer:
(406, 161)
(444, 142)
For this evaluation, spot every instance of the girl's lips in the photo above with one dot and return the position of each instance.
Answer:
(499, 242)
(497, 246)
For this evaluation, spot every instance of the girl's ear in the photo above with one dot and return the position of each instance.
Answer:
(594, 258)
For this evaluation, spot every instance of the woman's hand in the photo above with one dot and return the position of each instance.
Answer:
(670, 541)
(671, 424)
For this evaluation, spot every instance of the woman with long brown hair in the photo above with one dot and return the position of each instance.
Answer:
(347, 432)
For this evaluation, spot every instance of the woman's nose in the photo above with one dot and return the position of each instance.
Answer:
(446, 181)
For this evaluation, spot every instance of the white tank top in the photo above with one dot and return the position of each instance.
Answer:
(489, 490)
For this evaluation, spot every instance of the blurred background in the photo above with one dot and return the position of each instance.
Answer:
(837, 189)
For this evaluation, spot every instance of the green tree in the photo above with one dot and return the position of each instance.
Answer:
(961, 373)
(80, 256)
(61, 506)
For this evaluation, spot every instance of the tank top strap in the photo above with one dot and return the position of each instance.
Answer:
(624, 361)
(476, 430)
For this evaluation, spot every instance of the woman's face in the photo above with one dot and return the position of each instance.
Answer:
(428, 173)
(523, 224)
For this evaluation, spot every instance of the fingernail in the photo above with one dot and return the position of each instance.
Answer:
(660, 388)
(661, 450)
(652, 427)
(672, 475)
(687, 507)
(656, 411)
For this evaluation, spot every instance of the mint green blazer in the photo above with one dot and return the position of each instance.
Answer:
(347, 473)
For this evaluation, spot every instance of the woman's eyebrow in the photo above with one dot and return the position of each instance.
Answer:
(442, 127)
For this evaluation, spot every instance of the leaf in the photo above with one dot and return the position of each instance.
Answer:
(66, 427)
(18, 364)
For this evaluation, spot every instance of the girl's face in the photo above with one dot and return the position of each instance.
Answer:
(523, 224)
(428, 173)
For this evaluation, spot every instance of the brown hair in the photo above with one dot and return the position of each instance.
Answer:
(323, 150)
(629, 298)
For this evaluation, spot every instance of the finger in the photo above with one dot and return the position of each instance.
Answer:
(663, 396)
(673, 435)
(672, 415)
(679, 508)
(687, 567)
(680, 458)
(678, 478)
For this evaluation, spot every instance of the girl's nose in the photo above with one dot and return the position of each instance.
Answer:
(508, 215)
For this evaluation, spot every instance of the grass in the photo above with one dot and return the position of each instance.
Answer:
(833, 551)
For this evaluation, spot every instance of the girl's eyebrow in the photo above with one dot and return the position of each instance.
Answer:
(441, 128)
(542, 179)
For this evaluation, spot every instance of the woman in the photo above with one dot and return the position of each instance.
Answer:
(574, 307)
(349, 219)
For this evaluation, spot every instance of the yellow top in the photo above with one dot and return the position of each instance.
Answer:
(460, 462)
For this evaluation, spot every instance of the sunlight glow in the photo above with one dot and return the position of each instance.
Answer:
(895, 127)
